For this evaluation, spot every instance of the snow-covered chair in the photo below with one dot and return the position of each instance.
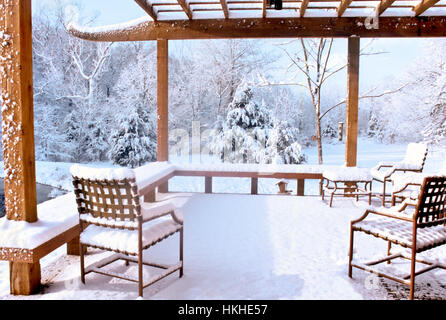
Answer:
(419, 229)
(112, 218)
(413, 161)
(408, 185)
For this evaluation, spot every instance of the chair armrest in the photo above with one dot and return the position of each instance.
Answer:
(383, 165)
(394, 212)
(154, 210)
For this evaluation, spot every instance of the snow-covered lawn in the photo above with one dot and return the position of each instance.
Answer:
(253, 247)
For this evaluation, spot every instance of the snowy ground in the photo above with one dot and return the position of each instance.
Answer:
(255, 247)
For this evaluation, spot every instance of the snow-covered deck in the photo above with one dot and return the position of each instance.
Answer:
(247, 247)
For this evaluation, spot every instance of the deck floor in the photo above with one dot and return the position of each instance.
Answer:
(248, 247)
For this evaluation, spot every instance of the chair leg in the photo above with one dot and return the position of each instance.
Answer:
(412, 274)
(350, 253)
(140, 275)
(384, 193)
(389, 247)
(181, 252)
(81, 254)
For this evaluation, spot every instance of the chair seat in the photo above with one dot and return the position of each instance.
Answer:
(400, 232)
(381, 175)
(126, 241)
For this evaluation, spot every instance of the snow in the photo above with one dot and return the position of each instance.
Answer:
(94, 173)
(55, 216)
(401, 231)
(127, 240)
(348, 174)
(253, 247)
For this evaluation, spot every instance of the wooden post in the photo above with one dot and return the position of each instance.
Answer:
(351, 130)
(351, 134)
(254, 185)
(18, 130)
(300, 187)
(207, 184)
(163, 104)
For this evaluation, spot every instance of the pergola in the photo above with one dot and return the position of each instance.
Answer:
(181, 19)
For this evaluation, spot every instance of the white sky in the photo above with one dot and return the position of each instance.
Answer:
(401, 52)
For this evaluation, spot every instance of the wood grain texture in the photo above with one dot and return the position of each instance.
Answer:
(389, 27)
(17, 111)
(351, 130)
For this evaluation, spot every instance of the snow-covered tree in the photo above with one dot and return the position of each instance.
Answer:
(251, 134)
(133, 143)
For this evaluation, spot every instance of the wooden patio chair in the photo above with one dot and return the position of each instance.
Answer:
(419, 229)
(408, 185)
(112, 218)
(413, 161)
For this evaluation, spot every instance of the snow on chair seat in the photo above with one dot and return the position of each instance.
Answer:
(126, 241)
(414, 160)
(112, 219)
(401, 232)
(408, 185)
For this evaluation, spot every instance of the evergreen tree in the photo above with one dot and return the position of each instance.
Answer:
(134, 141)
(251, 134)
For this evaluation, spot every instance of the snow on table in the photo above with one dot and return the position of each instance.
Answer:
(55, 216)
(348, 174)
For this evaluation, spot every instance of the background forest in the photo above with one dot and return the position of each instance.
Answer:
(97, 101)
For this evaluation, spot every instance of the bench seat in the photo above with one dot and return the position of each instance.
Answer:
(26, 242)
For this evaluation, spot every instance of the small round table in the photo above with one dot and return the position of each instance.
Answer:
(351, 180)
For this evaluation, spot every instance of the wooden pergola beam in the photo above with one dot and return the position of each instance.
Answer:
(224, 7)
(303, 7)
(391, 27)
(343, 6)
(264, 9)
(423, 6)
(147, 8)
(185, 8)
(383, 5)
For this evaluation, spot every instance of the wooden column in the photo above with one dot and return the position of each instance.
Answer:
(207, 184)
(163, 104)
(300, 187)
(254, 185)
(351, 128)
(18, 130)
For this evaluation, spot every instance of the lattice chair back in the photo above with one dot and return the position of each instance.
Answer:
(106, 193)
(416, 155)
(431, 207)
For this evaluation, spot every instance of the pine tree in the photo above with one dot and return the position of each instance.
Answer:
(251, 134)
(134, 141)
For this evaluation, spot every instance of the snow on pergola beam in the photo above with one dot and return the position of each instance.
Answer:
(147, 8)
(145, 29)
(424, 5)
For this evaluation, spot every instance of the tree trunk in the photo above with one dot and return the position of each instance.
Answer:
(319, 140)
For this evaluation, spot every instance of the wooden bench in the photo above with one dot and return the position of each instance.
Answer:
(23, 244)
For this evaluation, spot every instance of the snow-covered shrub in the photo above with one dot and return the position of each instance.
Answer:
(251, 134)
